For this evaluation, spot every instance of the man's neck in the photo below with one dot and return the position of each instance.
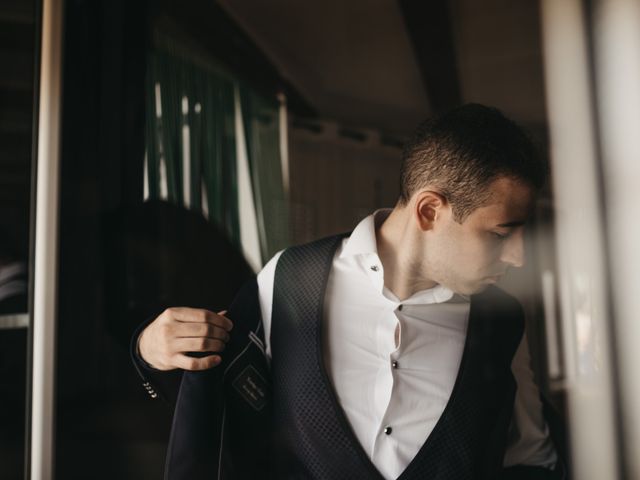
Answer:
(397, 245)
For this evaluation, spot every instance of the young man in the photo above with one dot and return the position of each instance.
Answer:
(384, 354)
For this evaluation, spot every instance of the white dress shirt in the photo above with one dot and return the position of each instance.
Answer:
(393, 364)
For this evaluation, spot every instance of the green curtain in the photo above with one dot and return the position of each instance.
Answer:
(209, 117)
(186, 75)
(260, 116)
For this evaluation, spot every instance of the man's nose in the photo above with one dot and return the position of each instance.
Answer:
(513, 250)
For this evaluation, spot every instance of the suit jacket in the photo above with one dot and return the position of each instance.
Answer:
(224, 415)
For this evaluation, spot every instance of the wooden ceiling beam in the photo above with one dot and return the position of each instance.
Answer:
(429, 25)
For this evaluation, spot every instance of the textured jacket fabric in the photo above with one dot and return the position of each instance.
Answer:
(222, 420)
(468, 441)
(244, 419)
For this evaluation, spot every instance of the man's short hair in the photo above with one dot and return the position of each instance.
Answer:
(461, 152)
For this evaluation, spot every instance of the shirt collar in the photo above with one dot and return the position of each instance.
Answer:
(363, 238)
(363, 242)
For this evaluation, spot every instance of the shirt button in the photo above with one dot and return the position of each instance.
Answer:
(400, 307)
(394, 364)
(374, 268)
(388, 430)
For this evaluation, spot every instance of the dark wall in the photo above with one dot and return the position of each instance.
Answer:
(120, 260)
(99, 419)
(19, 25)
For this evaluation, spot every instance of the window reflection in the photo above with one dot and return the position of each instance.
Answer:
(17, 45)
(176, 171)
(589, 355)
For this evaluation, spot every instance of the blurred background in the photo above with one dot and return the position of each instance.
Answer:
(157, 153)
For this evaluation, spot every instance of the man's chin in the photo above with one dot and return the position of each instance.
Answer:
(473, 288)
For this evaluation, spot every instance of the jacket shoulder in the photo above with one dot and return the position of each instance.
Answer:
(318, 244)
(504, 312)
(504, 297)
(311, 253)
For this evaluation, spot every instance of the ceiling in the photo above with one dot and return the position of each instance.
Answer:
(352, 60)
(355, 61)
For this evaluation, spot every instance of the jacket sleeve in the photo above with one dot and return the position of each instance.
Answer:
(538, 443)
(157, 383)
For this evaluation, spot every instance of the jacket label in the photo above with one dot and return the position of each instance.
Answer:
(252, 387)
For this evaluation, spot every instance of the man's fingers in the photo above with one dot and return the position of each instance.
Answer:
(199, 315)
(200, 344)
(180, 330)
(186, 329)
(192, 363)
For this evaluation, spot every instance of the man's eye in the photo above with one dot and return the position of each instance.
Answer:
(499, 235)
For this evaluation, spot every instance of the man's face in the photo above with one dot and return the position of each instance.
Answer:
(468, 257)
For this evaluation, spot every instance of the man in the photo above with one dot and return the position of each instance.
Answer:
(388, 353)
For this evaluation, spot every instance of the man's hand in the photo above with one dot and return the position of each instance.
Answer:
(164, 342)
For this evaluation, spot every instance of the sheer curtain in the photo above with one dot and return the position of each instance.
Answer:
(261, 120)
(213, 145)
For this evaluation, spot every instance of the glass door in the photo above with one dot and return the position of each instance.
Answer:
(19, 53)
(593, 99)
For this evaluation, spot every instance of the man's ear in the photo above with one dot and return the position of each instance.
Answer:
(429, 206)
